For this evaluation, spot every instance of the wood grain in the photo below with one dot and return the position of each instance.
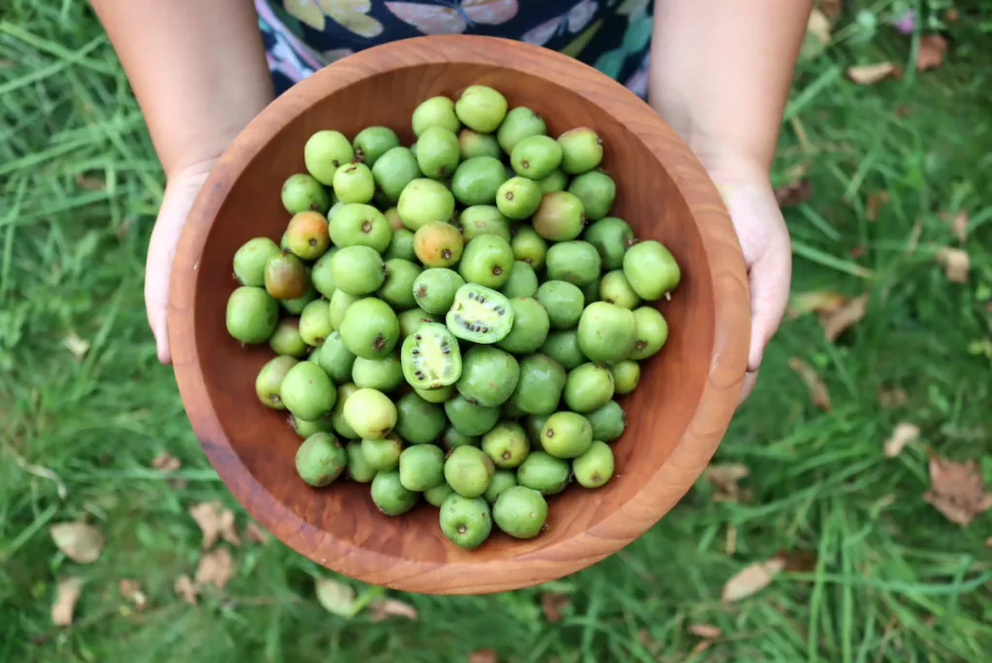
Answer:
(676, 417)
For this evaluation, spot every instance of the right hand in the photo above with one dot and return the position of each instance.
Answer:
(180, 191)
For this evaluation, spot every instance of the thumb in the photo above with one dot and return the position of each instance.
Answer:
(176, 203)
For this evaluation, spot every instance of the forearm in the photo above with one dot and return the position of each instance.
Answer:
(721, 72)
(197, 68)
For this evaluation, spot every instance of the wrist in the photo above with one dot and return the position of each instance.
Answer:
(197, 148)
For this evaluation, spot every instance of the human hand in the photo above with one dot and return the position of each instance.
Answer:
(764, 238)
(180, 191)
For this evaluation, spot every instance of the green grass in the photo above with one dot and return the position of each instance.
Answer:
(893, 580)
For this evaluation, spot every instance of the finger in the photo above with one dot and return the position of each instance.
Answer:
(158, 267)
(769, 278)
(750, 379)
(157, 271)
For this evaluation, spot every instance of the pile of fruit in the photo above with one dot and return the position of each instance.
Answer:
(454, 319)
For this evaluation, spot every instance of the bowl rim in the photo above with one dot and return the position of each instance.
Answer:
(702, 436)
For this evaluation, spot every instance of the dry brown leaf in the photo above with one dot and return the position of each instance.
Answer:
(816, 301)
(216, 567)
(890, 397)
(797, 561)
(902, 434)
(988, 542)
(957, 490)
(254, 532)
(931, 53)
(381, 609)
(166, 462)
(818, 25)
(707, 631)
(836, 322)
(816, 387)
(76, 345)
(752, 579)
(80, 542)
(131, 590)
(793, 193)
(875, 200)
(724, 479)
(66, 595)
(91, 183)
(215, 520)
(184, 587)
(951, 15)
(336, 597)
(956, 264)
(869, 74)
(958, 223)
(483, 656)
(552, 604)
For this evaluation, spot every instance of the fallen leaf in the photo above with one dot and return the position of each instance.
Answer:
(793, 193)
(336, 597)
(707, 631)
(724, 478)
(552, 604)
(751, 579)
(797, 561)
(254, 532)
(818, 25)
(166, 462)
(131, 590)
(931, 53)
(902, 434)
(184, 587)
(381, 609)
(890, 397)
(956, 264)
(79, 542)
(875, 200)
(91, 183)
(483, 656)
(957, 490)
(66, 595)
(958, 223)
(816, 301)
(76, 345)
(951, 15)
(216, 568)
(869, 74)
(816, 387)
(836, 322)
(988, 542)
(215, 520)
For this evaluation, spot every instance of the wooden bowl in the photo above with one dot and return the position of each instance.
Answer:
(676, 417)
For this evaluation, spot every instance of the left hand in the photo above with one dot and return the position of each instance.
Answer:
(747, 192)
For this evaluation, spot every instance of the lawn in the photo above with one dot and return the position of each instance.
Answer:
(886, 189)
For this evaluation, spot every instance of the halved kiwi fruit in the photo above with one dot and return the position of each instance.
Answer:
(480, 314)
(430, 357)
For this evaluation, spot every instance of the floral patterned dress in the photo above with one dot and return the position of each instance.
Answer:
(302, 36)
